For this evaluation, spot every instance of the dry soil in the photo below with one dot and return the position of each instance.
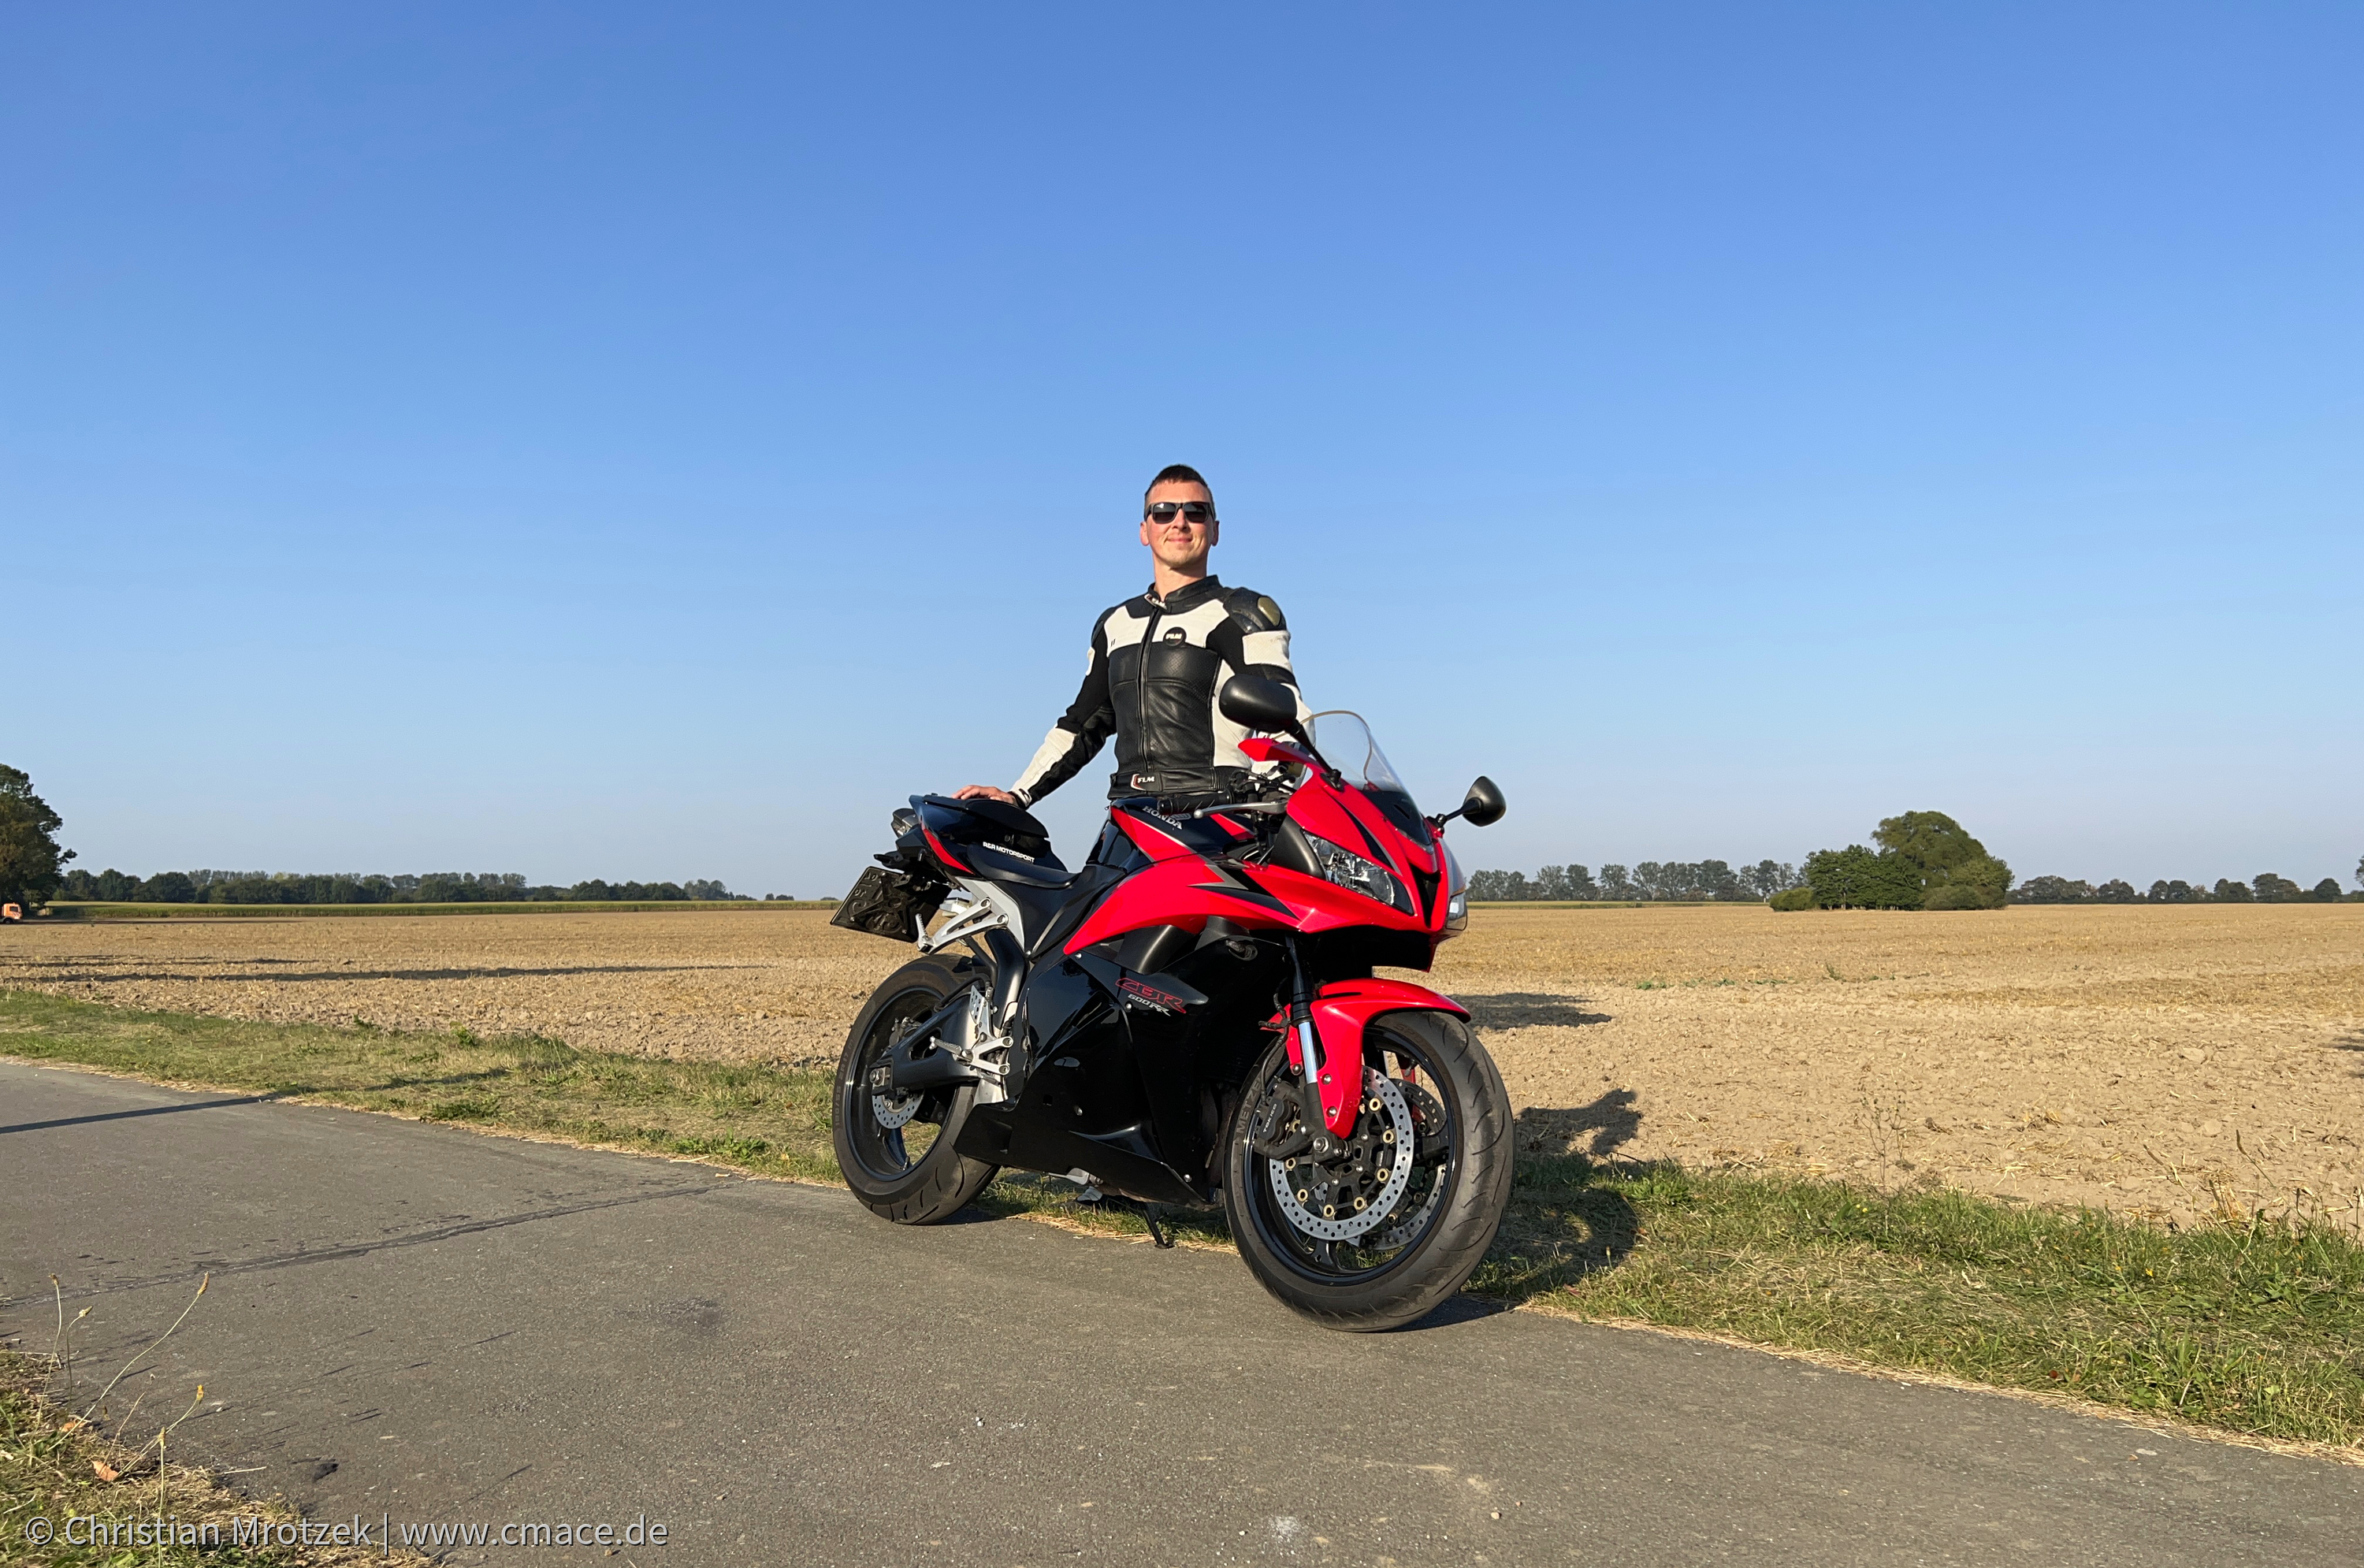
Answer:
(2154, 1061)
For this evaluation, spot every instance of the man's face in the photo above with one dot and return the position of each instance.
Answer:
(1178, 543)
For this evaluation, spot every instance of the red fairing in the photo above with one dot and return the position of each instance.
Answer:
(1342, 1011)
(945, 854)
(1172, 893)
(1152, 839)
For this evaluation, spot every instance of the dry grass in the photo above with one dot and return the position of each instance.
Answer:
(2152, 1060)
(86, 1483)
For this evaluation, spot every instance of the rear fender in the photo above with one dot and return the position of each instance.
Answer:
(1342, 1011)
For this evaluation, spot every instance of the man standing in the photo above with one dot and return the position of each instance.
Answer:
(1158, 664)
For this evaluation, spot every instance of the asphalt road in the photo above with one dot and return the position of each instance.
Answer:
(475, 1330)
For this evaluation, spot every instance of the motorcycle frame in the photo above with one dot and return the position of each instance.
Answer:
(1135, 996)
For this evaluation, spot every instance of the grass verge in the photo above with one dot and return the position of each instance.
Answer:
(771, 1123)
(103, 1502)
(2253, 1325)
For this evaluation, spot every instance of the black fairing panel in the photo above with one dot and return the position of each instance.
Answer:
(1082, 1104)
(1129, 1073)
(1082, 895)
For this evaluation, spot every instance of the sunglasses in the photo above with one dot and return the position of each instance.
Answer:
(1192, 512)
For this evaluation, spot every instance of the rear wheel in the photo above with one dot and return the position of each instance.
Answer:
(1372, 1233)
(895, 1151)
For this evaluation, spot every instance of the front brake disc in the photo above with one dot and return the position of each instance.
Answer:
(1378, 1155)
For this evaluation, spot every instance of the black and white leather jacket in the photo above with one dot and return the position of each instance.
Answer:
(1155, 668)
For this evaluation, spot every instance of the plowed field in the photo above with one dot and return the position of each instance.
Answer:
(2141, 1058)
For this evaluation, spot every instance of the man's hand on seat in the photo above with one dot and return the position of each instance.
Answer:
(987, 792)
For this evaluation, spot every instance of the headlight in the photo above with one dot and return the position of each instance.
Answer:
(1347, 868)
(1457, 912)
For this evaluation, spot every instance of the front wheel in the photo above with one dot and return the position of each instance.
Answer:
(1373, 1232)
(895, 1151)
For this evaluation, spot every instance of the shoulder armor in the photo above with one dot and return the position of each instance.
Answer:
(1253, 611)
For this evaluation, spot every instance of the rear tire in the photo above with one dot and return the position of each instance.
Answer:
(907, 1169)
(1360, 1291)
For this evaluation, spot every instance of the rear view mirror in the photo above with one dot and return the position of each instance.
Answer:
(1483, 805)
(1259, 704)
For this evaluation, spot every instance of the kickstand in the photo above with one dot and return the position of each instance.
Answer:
(1156, 1231)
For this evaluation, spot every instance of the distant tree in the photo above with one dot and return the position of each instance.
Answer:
(1616, 883)
(1856, 878)
(1928, 838)
(1718, 880)
(2359, 871)
(2053, 890)
(2176, 892)
(1581, 884)
(707, 889)
(2327, 891)
(31, 863)
(1841, 879)
(2273, 889)
(1794, 898)
(1495, 886)
(166, 888)
(2116, 891)
(2231, 892)
(1944, 853)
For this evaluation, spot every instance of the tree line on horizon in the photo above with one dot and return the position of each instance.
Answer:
(112, 887)
(1649, 882)
(2267, 887)
(1925, 859)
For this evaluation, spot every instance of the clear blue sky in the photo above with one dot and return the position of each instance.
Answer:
(650, 441)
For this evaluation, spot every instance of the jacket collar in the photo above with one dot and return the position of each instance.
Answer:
(1197, 593)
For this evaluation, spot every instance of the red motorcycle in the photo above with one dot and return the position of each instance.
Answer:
(1193, 1012)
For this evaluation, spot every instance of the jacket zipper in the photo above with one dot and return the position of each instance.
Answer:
(1140, 704)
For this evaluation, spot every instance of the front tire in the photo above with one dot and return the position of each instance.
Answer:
(1436, 1226)
(896, 1152)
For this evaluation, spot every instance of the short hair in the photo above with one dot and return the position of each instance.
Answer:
(1180, 473)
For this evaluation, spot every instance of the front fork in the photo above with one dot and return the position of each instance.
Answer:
(1312, 1063)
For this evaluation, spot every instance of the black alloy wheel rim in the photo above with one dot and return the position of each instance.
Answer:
(1367, 1257)
(885, 1154)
